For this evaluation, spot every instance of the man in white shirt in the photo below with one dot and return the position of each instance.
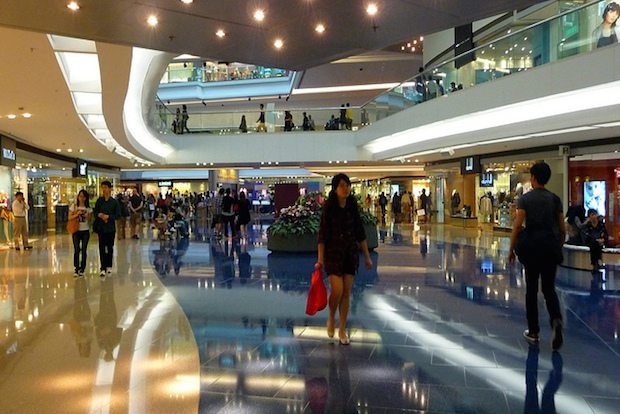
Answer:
(20, 225)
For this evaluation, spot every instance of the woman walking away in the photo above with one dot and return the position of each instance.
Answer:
(81, 211)
(244, 214)
(341, 234)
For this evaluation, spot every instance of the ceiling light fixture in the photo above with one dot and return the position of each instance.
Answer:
(278, 43)
(81, 149)
(187, 1)
(73, 6)
(27, 115)
(58, 150)
(220, 33)
(372, 9)
(320, 28)
(152, 20)
(259, 15)
(11, 116)
(69, 150)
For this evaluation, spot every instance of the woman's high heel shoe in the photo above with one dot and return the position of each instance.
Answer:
(344, 339)
(330, 328)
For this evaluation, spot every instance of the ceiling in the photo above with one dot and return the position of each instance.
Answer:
(191, 28)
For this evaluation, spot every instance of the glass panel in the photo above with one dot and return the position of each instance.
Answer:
(574, 32)
(201, 71)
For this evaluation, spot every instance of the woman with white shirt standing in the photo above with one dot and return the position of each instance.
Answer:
(82, 212)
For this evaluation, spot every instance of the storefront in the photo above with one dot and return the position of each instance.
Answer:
(7, 165)
(595, 184)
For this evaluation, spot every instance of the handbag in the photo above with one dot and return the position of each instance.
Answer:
(73, 225)
(317, 294)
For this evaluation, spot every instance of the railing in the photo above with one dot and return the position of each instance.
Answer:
(189, 72)
(224, 123)
(570, 33)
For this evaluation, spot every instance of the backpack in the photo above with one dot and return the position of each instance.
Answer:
(227, 205)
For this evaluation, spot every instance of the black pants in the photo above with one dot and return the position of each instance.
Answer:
(106, 249)
(546, 273)
(80, 243)
(596, 253)
(229, 221)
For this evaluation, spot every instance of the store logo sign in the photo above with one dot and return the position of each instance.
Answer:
(8, 154)
(83, 169)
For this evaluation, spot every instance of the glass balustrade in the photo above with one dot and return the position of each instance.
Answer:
(197, 71)
(570, 33)
(224, 123)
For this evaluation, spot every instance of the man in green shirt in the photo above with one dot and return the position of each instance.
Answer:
(106, 211)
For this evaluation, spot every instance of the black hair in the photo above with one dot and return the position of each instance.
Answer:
(19, 193)
(86, 201)
(592, 211)
(106, 183)
(242, 195)
(542, 172)
(332, 198)
(613, 6)
(221, 191)
(228, 191)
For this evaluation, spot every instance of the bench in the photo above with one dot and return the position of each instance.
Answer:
(578, 257)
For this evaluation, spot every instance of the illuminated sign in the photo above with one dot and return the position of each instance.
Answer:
(165, 184)
(8, 154)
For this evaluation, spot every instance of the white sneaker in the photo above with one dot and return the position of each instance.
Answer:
(102, 274)
(108, 271)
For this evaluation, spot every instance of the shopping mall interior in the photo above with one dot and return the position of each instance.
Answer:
(436, 111)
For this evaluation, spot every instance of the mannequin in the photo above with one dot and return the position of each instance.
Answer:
(455, 201)
(6, 218)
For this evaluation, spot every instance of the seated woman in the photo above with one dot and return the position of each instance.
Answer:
(575, 217)
(594, 235)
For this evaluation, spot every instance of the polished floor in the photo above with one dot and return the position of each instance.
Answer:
(219, 327)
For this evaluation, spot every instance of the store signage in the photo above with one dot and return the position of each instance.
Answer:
(82, 168)
(8, 152)
(164, 183)
(486, 180)
(470, 165)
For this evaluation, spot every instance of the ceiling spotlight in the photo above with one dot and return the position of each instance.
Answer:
(73, 5)
(187, 1)
(402, 48)
(69, 150)
(278, 43)
(259, 15)
(11, 116)
(27, 115)
(81, 149)
(58, 150)
(220, 33)
(421, 38)
(372, 9)
(320, 28)
(152, 20)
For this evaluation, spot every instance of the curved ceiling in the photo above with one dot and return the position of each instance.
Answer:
(191, 28)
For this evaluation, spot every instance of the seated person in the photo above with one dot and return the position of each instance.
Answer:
(575, 216)
(594, 235)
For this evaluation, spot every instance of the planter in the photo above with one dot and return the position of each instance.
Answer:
(293, 244)
(371, 236)
(309, 242)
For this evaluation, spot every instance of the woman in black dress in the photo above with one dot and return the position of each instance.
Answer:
(340, 237)
(244, 214)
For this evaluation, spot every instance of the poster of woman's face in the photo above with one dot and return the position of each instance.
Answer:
(594, 196)
(607, 32)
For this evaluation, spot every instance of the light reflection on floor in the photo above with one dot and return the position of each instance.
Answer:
(435, 326)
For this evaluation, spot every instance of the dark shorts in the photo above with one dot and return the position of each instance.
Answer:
(347, 267)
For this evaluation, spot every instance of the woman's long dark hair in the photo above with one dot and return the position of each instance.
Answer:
(332, 200)
(86, 199)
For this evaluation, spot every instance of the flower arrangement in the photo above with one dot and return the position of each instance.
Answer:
(304, 217)
(296, 220)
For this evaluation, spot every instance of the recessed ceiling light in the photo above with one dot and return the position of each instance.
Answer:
(152, 20)
(81, 149)
(27, 115)
(421, 38)
(320, 28)
(220, 33)
(278, 43)
(11, 116)
(259, 15)
(69, 150)
(187, 1)
(58, 150)
(73, 5)
(372, 9)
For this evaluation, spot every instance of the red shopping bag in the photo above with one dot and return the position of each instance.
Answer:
(317, 295)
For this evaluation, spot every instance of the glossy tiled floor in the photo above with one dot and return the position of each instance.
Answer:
(435, 327)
